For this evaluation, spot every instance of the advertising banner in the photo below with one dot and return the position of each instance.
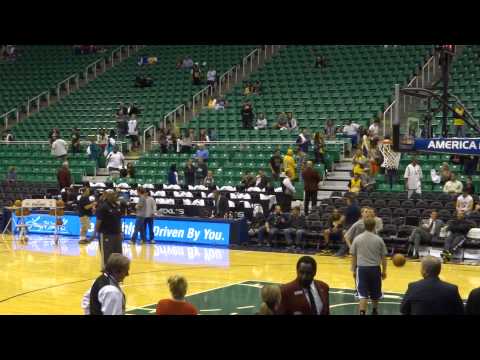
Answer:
(165, 230)
(463, 146)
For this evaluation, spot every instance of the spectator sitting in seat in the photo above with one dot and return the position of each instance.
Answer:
(261, 122)
(221, 104)
(187, 63)
(196, 74)
(248, 88)
(330, 130)
(173, 175)
(303, 141)
(458, 229)
(94, 151)
(75, 142)
(282, 121)
(142, 81)
(258, 221)
(276, 221)
(428, 231)
(261, 180)
(209, 181)
(445, 173)
(8, 136)
(464, 202)
(320, 62)
(185, 143)
(203, 136)
(292, 123)
(202, 153)
(257, 88)
(469, 187)
(453, 186)
(11, 175)
(211, 77)
(334, 230)
(247, 115)
(130, 170)
(248, 180)
(211, 103)
(355, 185)
(296, 227)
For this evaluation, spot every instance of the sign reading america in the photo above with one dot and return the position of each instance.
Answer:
(462, 146)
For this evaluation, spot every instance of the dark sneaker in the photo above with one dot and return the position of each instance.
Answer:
(374, 312)
(133, 242)
(84, 242)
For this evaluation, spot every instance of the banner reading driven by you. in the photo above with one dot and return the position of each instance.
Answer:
(165, 230)
(465, 146)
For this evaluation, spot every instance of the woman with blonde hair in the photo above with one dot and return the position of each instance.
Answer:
(178, 305)
(271, 298)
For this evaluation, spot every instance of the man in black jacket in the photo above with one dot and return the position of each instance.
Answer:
(247, 116)
(473, 303)
(458, 229)
(431, 296)
(221, 204)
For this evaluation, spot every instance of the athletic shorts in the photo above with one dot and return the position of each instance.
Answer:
(369, 282)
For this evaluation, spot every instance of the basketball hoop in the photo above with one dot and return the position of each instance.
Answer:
(391, 159)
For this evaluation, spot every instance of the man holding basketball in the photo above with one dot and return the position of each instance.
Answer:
(368, 254)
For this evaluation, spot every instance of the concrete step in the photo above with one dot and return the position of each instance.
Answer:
(339, 175)
(343, 166)
(324, 194)
(334, 185)
(95, 178)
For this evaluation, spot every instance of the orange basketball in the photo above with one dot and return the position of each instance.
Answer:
(399, 260)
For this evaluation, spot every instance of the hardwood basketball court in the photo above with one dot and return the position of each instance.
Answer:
(43, 278)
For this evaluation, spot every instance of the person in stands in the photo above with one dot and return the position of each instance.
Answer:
(261, 122)
(177, 305)
(189, 173)
(196, 74)
(59, 149)
(276, 164)
(319, 148)
(453, 186)
(458, 121)
(173, 175)
(289, 163)
(464, 202)
(201, 171)
(311, 179)
(330, 130)
(247, 116)
(115, 162)
(296, 227)
(75, 141)
(64, 176)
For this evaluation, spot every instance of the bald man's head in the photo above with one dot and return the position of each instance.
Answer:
(431, 267)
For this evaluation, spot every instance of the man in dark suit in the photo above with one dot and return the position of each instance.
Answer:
(221, 204)
(429, 231)
(473, 303)
(304, 295)
(431, 296)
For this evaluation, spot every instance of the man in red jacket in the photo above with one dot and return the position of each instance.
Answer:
(304, 295)
(311, 178)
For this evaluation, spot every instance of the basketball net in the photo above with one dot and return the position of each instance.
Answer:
(391, 159)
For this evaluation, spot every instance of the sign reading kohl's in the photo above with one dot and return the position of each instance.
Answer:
(165, 230)
(464, 146)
